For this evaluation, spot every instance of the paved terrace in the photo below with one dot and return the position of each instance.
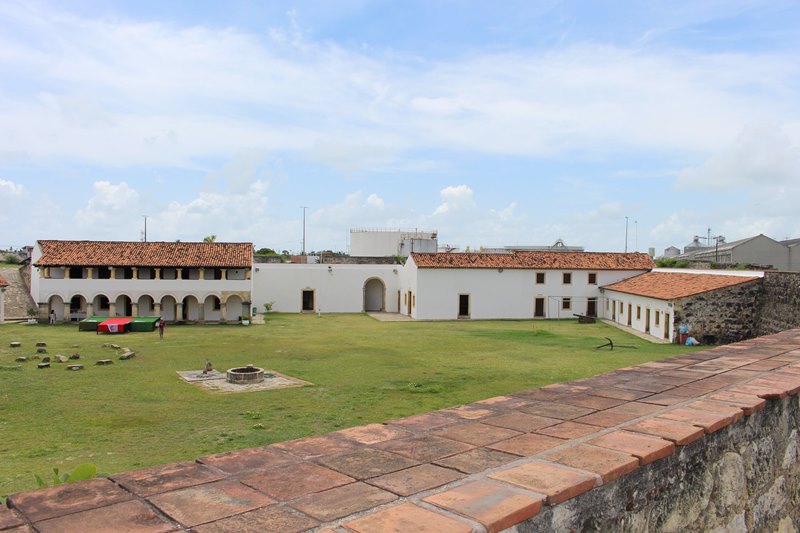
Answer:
(479, 467)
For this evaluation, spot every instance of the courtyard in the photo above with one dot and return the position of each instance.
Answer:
(139, 412)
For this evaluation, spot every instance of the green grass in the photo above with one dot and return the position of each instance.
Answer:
(139, 413)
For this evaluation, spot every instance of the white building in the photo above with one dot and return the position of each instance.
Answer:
(519, 285)
(649, 303)
(391, 242)
(3, 285)
(192, 281)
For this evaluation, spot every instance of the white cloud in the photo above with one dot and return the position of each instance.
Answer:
(456, 198)
(9, 188)
(375, 201)
(110, 205)
(762, 155)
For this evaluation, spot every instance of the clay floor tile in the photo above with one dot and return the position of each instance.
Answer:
(67, 498)
(636, 408)
(664, 399)
(605, 419)
(620, 394)
(791, 381)
(678, 432)
(768, 392)
(19, 529)
(503, 402)
(540, 395)
(477, 460)
(710, 422)
(608, 464)
(204, 503)
(424, 422)
(764, 365)
(712, 406)
(527, 444)
(557, 483)
(165, 478)
(646, 448)
(310, 447)
(558, 410)
(407, 517)
(272, 519)
(416, 479)
(247, 460)
(342, 501)
(592, 402)
(291, 481)
(749, 403)
(372, 433)
(568, 430)
(653, 386)
(519, 421)
(425, 448)
(469, 412)
(496, 506)
(131, 517)
(9, 518)
(367, 463)
(686, 392)
(476, 433)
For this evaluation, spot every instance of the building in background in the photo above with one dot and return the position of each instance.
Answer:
(376, 242)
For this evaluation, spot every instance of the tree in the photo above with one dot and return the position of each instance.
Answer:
(266, 251)
(210, 238)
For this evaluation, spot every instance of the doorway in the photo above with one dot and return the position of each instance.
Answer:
(630, 314)
(666, 326)
(463, 306)
(591, 307)
(647, 320)
(308, 300)
(538, 308)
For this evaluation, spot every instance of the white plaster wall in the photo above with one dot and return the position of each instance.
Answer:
(662, 306)
(374, 243)
(337, 288)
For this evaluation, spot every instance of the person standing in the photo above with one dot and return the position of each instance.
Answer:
(52, 316)
(161, 325)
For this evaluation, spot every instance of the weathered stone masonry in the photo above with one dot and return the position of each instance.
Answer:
(721, 316)
(779, 302)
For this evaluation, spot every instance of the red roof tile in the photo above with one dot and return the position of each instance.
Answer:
(674, 285)
(148, 254)
(537, 260)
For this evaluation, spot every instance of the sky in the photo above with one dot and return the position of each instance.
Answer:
(495, 123)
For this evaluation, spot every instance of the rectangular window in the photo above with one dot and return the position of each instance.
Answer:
(657, 317)
(567, 278)
(638, 312)
(621, 308)
(540, 278)
(566, 303)
(592, 278)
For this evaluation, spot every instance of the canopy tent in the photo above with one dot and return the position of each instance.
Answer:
(115, 325)
(90, 323)
(145, 323)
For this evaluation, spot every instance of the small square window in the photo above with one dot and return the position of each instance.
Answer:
(566, 303)
(592, 278)
(540, 278)
(567, 278)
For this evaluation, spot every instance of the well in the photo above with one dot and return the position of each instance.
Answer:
(245, 375)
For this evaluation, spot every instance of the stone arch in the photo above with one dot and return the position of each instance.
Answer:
(101, 305)
(191, 308)
(233, 307)
(123, 305)
(78, 306)
(212, 307)
(374, 295)
(146, 305)
(55, 303)
(169, 307)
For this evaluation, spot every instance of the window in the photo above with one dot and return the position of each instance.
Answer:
(566, 303)
(606, 305)
(621, 308)
(638, 312)
(657, 317)
(75, 272)
(216, 304)
(567, 278)
(540, 278)
(592, 278)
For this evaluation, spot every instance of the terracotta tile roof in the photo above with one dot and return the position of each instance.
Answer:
(537, 260)
(674, 285)
(3, 282)
(152, 254)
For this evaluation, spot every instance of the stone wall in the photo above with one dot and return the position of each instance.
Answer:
(743, 478)
(721, 316)
(779, 302)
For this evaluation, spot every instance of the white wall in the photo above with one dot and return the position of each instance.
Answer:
(374, 243)
(504, 293)
(337, 288)
(665, 327)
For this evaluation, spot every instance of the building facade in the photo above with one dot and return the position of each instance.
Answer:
(179, 281)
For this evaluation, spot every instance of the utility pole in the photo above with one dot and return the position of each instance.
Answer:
(303, 254)
(626, 234)
(145, 228)
(635, 235)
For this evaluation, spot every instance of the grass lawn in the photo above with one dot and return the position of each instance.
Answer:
(139, 413)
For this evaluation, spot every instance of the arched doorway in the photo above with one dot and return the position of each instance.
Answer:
(191, 309)
(123, 306)
(101, 305)
(374, 295)
(168, 308)
(146, 307)
(212, 307)
(233, 308)
(56, 304)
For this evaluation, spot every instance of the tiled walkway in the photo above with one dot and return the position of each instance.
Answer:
(479, 467)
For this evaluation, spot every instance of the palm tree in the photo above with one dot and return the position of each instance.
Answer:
(210, 238)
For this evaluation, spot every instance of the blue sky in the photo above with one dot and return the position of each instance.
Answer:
(496, 123)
